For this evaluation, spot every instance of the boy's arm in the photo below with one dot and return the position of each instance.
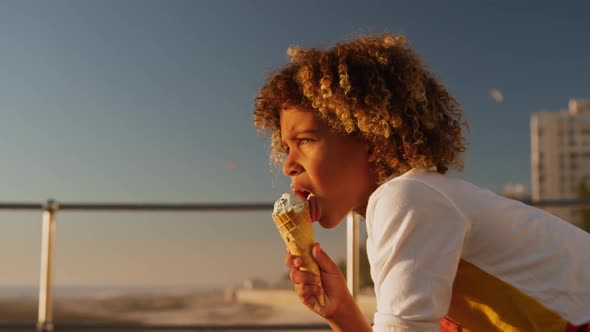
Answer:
(351, 319)
(340, 310)
(415, 239)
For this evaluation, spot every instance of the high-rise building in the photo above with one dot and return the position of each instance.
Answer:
(560, 155)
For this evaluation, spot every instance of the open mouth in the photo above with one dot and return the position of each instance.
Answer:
(302, 193)
(314, 208)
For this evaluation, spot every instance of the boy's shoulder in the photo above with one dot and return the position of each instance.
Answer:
(417, 177)
(427, 182)
(412, 184)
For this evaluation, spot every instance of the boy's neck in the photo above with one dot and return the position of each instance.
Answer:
(362, 208)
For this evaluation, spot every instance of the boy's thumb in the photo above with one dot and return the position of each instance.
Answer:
(325, 263)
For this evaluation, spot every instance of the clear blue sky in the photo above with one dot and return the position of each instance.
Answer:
(151, 101)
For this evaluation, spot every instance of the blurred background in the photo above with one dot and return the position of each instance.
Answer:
(151, 101)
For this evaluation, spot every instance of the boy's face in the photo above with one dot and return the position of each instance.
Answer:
(332, 167)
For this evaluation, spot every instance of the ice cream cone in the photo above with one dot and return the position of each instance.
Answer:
(296, 229)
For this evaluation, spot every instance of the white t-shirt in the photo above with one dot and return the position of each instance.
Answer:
(421, 224)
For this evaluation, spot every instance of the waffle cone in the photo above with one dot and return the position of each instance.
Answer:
(297, 231)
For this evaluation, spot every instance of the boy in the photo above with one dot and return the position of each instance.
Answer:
(364, 126)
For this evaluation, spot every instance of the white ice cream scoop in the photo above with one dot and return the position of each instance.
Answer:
(288, 202)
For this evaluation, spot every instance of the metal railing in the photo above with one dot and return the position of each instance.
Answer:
(50, 208)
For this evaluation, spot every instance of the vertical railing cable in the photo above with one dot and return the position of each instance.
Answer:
(352, 253)
(45, 314)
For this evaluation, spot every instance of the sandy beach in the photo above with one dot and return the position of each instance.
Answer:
(245, 306)
(203, 308)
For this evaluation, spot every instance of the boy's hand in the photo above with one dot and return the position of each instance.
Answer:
(307, 284)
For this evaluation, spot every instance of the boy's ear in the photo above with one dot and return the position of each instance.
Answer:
(371, 153)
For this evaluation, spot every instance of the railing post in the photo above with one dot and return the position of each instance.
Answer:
(45, 315)
(352, 253)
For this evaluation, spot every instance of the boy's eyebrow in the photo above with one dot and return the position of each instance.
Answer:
(302, 131)
(294, 133)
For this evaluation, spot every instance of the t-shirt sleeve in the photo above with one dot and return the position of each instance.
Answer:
(415, 239)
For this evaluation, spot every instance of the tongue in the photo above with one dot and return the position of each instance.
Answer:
(314, 209)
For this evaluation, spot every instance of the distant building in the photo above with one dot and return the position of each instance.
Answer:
(560, 154)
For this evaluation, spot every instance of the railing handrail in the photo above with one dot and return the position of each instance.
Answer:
(142, 206)
(222, 206)
(557, 203)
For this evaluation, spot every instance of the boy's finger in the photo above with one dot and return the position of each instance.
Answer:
(308, 293)
(293, 262)
(325, 263)
(303, 277)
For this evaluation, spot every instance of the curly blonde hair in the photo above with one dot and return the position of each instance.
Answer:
(373, 87)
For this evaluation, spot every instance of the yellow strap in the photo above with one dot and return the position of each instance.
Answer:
(482, 302)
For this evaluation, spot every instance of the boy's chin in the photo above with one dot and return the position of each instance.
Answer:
(328, 222)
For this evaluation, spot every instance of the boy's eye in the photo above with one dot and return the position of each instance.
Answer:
(301, 141)
(298, 142)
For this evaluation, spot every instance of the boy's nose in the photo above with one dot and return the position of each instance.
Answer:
(291, 168)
